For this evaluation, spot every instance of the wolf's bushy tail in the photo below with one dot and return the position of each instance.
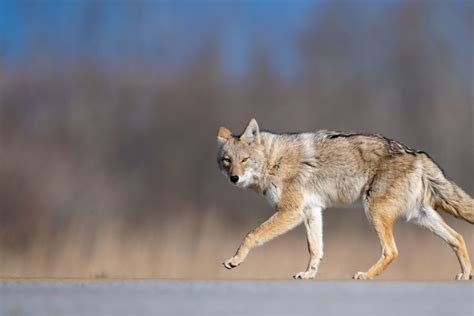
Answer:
(445, 194)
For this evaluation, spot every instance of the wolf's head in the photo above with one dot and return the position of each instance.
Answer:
(241, 158)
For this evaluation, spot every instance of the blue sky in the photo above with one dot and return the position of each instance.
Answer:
(169, 30)
(169, 34)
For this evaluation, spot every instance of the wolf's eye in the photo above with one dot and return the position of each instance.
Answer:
(245, 159)
(226, 161)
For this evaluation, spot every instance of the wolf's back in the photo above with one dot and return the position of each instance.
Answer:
(445, 194)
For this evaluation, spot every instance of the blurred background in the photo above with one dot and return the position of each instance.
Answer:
(109, 112)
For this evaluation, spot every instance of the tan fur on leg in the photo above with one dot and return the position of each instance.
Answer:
(279, 223)
(430, 219)
(314, 234)
(382, 216)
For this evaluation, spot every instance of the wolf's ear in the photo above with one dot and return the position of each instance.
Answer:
(251, 133)
(223, 135)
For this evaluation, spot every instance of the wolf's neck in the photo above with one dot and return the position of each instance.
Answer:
(273, 159)
(286, 156)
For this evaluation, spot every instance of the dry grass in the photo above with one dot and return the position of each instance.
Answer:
(193, 248)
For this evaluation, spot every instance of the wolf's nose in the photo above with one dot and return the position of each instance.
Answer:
(234, 179)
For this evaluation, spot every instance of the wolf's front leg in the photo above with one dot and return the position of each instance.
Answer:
(314, 233)
(281, 222)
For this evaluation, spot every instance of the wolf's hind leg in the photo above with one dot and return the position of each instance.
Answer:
(430, 219)
(382, 217)
(281, 222)
(314, 233)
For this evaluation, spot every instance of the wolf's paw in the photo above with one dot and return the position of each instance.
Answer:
(463, 276)
(232, 263)
(361, 276)
(306, 275)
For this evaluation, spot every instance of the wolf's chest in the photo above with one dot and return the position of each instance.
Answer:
(273, 195)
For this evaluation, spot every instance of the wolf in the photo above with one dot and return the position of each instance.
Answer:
(301, 174)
